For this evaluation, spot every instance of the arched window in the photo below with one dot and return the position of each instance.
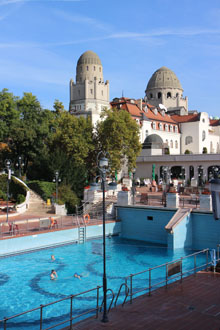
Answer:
(176, 129)
(100, 69)
(94, 68)
(166, 127)
(188, 140)
(171, 128)
(177, 94)
(161, 126)
(87, 68)
(159, 95)
(176, 144)
(171, 143)
(151, 95)
(167, 143)
(168, 95)
(203, 135)
(154, 125)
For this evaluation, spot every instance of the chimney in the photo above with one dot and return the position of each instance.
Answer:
(139, 103)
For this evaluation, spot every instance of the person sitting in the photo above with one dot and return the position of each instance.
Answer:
(53, 275)
(53, 223)
(77, 276)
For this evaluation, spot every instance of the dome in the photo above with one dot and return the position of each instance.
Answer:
(89, 57)
(153, 141)
(89, 67)
(164, 78)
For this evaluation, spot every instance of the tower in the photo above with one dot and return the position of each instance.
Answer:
(89, 95)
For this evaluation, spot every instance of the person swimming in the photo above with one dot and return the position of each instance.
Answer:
(53, 257)
(53, 275)
(77, 276)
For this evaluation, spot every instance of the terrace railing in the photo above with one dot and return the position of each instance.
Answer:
(167, 272)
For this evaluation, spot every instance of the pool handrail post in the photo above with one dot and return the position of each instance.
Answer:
(41, 316)
(195, 264)
(207, 259)
(166, 275)
(71, 311)
(5, 325)
(97, 302)
(131, 288)
(149, 289)
(181, 270)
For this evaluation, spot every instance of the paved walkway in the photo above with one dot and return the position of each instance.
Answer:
(192, 305)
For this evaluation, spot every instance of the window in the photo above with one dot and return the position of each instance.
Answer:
(81, 68)
(203, 135)
(171, 143)
(100, 69)
(166, 127)
(203, 120)
(159, 95)
(146, 133)
(154, 125)
(176, 129)
(176, 144)
(171, 128)
(91, 91)
(177, 94)
(151, 95)
(168, 95)
(188, 140)
(87, 68)
(94, 68)
(166, 141)
(161, 126)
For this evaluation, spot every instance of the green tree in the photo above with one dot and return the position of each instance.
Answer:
(118, 134)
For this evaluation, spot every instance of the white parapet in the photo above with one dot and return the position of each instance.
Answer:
(205, 202)
(124, 198)
(172, 200)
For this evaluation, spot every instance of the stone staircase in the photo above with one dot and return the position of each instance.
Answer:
(37, 206)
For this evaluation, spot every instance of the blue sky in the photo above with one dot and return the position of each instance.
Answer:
(41, 41)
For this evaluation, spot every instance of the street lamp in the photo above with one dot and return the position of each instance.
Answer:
(133, 186)
(102, 163)
(19, 164)
(8, 166)
(57, 180)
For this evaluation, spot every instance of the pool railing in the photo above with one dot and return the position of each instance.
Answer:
(70, 320)
(172, 270)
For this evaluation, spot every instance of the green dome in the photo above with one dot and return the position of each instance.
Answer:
(164, 78)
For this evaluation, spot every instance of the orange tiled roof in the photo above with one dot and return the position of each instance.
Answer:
(214, 122)
(186, 118)
(166, 118)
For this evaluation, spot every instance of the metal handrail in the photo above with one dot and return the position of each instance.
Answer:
(179, 275)
(41, 307)
(126, 293)
(113, 297)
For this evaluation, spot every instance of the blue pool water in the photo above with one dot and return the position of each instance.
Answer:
(25, 279)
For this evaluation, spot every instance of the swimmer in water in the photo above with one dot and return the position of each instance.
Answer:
(77, 276)
(53, 257)
(53, 275)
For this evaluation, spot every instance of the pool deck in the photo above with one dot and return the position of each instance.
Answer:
(192, 305)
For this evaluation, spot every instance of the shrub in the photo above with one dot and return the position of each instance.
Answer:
(20, 199)
(204, 151)
(187, 152)
(43, 188)
(67, 196)
(3, 195)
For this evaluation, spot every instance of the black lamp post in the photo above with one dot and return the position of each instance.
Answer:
(57, 180)
(103, 163)
(8, 166)
(133, 186)
(20, 164)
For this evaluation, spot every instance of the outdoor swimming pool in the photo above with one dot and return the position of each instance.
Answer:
(25, 279)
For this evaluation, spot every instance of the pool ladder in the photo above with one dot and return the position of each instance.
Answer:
(82, 234)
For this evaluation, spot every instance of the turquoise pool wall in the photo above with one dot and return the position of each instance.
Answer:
(136, 223)
(39, 241)
(197, 231)
(182, 234)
